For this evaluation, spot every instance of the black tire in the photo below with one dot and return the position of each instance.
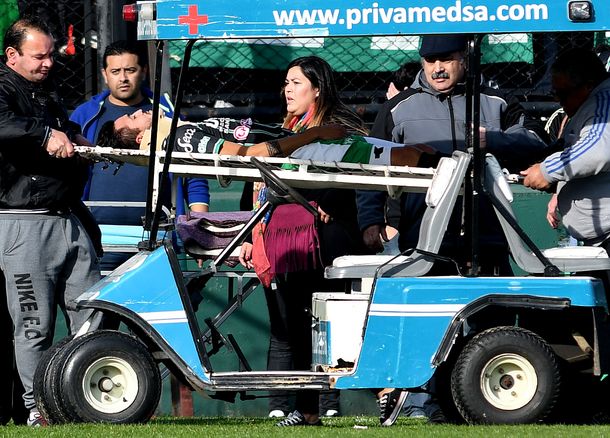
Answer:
(46, 384)
(110, 377)
(506, 375)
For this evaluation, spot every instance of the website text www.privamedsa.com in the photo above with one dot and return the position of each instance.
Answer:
(404, 15)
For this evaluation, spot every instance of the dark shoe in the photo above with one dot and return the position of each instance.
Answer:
(390, 405)
(437, 417)
(296, 419)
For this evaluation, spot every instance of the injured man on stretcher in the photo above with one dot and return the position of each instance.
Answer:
(225, 136)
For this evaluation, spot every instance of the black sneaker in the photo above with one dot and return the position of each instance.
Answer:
(437, 417)
(296, 419)
(390, 405)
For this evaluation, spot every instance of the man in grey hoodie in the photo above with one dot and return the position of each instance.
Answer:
(582, 170)
(432, 111)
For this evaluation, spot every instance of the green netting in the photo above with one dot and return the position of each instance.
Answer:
(9, 12)
(507, 48)
(602, 38)
(361, 54)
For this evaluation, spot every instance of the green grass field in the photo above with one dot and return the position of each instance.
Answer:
(265, 428)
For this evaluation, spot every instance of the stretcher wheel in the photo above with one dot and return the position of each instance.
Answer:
(109, 377)
(506, 375)
(46, 384)
(282, 192)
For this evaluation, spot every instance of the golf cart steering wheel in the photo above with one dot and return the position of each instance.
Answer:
(279, 191)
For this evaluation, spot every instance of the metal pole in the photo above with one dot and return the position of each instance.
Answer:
(154, 227)
(473, 113)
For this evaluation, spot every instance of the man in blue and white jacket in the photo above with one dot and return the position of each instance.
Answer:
(124, 70)
(582, 169)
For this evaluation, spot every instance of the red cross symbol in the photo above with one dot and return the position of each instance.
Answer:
(193, 19)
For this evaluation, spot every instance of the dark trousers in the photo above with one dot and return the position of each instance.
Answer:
(290, 331)
(290, 336)
(290, 316)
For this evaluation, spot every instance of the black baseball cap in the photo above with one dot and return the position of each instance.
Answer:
(435, 45)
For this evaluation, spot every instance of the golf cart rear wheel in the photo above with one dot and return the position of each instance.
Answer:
(506, 375)
(110, 377)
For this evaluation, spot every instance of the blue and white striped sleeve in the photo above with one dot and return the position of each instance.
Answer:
(590, 154)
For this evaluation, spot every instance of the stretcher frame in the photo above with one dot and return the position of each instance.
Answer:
(304, 173)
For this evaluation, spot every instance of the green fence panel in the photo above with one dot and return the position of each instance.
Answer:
(9, 12)
(359, 54)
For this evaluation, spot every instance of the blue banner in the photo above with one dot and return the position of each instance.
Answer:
(214, 19)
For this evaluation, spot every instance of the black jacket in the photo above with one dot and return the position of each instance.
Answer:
(29, 177)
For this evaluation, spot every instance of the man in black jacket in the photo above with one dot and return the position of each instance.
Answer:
(45, 252)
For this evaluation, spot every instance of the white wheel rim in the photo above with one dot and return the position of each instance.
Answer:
(110, 385)
(509, 382)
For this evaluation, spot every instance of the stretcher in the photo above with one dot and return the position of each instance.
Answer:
(301, 174)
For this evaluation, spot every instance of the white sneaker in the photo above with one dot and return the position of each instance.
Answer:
(35, 419)
(276, 413)
(331, 413)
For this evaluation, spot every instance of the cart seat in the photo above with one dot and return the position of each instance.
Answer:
(205, 235)
(568, 259)
(440, 200)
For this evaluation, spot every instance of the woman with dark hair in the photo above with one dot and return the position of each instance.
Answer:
(311, 99)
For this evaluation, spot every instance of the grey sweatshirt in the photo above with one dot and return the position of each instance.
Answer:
(584, 166)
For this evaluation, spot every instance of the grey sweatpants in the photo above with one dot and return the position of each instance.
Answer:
(47, 260)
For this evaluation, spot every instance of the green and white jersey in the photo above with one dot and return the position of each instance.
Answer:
(351, 149)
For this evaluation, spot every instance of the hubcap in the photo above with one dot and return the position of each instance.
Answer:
(110, 385)
(509, 382)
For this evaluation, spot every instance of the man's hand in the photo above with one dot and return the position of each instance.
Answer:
(392, 91)
(534, 179)
(374, 236)
(324, 217)
(59, 145)
(551, 212)
(245, 255)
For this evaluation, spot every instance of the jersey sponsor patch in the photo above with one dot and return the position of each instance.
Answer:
(192, 140)
(241, 132)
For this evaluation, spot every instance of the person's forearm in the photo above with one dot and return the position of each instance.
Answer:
(282, 147)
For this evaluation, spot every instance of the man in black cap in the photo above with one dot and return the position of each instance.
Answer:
(432, 111)
(443, 61)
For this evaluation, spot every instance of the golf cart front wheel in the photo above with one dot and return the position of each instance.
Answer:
(110, 377)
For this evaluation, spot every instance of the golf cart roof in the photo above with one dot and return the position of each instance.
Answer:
(212, 19)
